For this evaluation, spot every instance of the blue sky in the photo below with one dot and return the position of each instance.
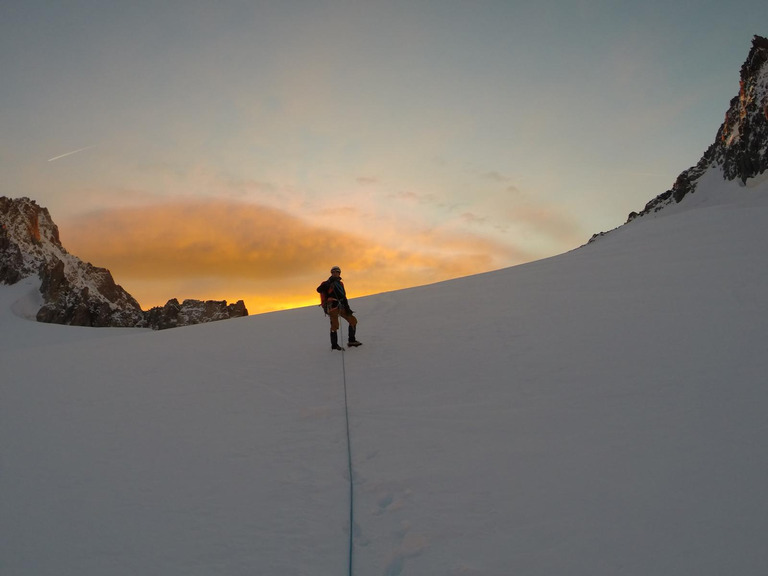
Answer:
(407, 142)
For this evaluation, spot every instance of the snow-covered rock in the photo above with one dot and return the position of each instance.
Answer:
(740, 149)
(76, 292)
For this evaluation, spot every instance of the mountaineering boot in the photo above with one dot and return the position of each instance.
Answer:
(335, 341)
(352, 340)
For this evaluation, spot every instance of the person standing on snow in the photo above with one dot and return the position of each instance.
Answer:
(333, 299)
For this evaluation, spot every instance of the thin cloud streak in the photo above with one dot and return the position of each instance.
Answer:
(70, 153)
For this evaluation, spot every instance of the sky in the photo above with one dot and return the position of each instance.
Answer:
(238, 150)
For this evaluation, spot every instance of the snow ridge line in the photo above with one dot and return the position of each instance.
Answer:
(349, 461)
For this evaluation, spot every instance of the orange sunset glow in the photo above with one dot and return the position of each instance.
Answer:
(270, 259)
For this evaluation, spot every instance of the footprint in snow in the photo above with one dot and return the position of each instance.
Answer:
(412, 546)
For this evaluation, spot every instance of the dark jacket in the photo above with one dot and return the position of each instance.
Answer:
(335, 291)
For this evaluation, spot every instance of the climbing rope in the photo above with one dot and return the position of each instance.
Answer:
(349, 460)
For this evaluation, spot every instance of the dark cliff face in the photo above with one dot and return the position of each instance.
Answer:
(76, 292)
(740, 149)
(11, 259)
(24, 228)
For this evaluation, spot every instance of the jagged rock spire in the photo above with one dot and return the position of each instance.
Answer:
(740, 149)
(744, 133)
(25, 228)
(76, 292)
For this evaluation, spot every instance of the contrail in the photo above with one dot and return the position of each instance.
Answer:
(70, 153)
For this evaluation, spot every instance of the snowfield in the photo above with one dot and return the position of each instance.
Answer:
(602, 412)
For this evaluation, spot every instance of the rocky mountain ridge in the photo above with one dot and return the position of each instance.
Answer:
(76, 292)
(740, 149)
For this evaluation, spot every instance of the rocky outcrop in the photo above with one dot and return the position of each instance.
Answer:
(76, 292)
(90, 298)
(27, 235)
(190, 312)
(11, 258)
(740, 149)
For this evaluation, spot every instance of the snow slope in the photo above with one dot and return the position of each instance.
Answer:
(602, 412)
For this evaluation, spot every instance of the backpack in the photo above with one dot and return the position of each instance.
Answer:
(325, 289)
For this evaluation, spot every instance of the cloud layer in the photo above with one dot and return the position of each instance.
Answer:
(264, 255)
